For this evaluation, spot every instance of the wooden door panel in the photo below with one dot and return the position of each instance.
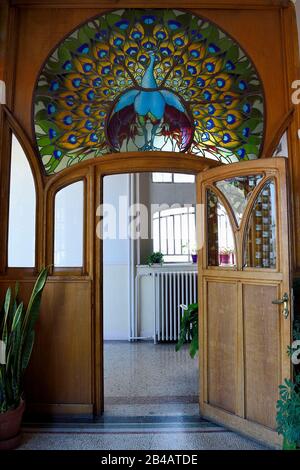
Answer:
(262, 353)
(221, 324)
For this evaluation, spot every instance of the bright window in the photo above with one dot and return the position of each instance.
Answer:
(174, 234)
(68, 233)
(22, 203)
(172, 178)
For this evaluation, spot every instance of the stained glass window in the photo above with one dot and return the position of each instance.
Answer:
(220, 247)
(141, 79)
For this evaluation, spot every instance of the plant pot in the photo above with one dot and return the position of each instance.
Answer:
(194, 258)
(10, 427)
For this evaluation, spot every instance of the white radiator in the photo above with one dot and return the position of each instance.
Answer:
(172, 289)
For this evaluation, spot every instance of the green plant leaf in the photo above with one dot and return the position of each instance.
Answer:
(28, 350)
(18, 329)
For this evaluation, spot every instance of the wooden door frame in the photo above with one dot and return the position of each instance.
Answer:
(92, 173)
(131, 164)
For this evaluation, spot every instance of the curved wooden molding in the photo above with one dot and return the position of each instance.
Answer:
(279, 133)
(39, 181)
(138, 162)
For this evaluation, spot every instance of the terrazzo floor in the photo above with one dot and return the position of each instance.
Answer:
(151, 395)
(150, 379)
(139, 441)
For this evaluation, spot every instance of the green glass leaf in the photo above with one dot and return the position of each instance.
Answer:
(89, 31)
(82, 37)
(64, 54)
(48, 150)
(43, 141)
(112, 19)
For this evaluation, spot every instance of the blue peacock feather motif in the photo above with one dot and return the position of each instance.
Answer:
(139, 79)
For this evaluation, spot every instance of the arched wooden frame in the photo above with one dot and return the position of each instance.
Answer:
(11, 126)
(93, 171)
(50, 225)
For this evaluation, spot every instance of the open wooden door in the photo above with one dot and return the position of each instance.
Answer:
(244, 268)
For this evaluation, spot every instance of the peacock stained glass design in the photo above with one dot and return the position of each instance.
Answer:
(138, 80)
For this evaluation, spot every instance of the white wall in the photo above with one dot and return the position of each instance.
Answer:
(115, 268)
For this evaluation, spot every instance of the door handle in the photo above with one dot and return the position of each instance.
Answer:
(285, 302)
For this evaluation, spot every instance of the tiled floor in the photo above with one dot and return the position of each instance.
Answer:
(151, 395)
(149, 379)
(138, 441)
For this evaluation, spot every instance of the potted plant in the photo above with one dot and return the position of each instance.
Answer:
(226, 256)
(155, 258)
(288, 413)
(16, 343)
(189, 326)
(194, 257)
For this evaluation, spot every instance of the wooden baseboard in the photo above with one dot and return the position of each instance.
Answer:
(59, 409)
(245, 427)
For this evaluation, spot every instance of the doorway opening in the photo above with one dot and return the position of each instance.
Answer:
(234, 275)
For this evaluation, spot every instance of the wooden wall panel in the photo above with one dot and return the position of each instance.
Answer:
(3, 35)
(262, 353)
(39, 32)
(258, 34)
(60, 369)
(222, 331)
(25, 289)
